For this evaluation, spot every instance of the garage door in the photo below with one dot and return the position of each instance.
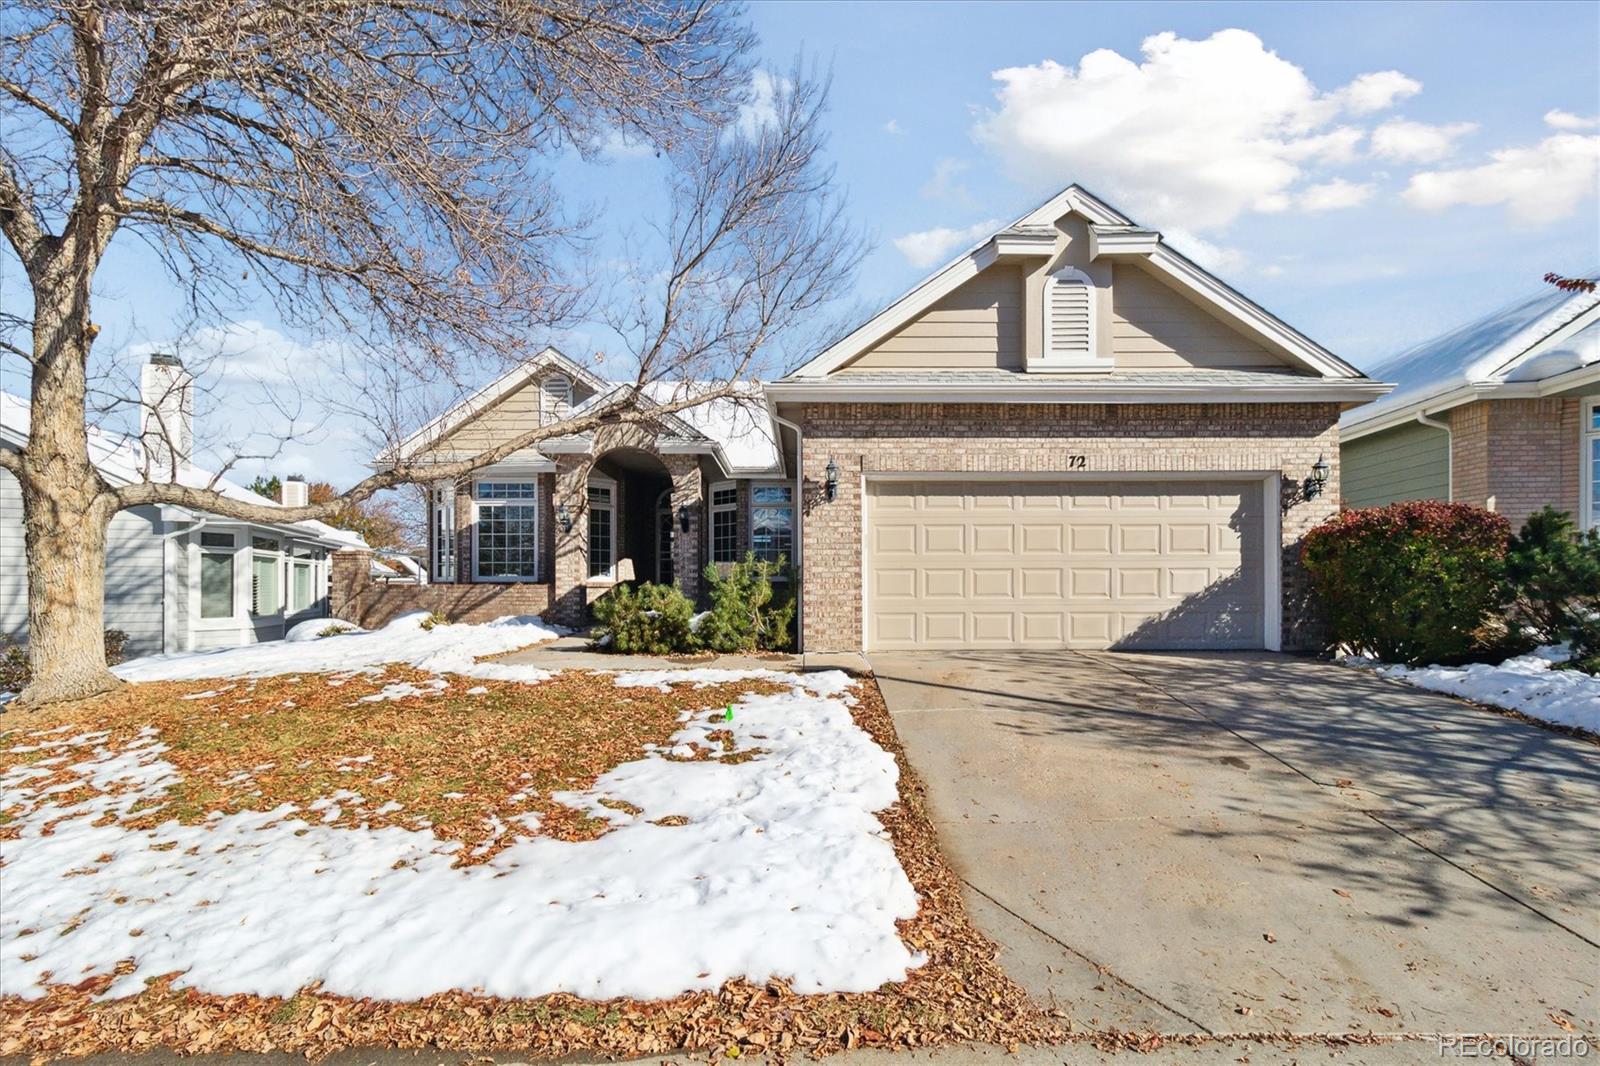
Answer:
(1155, 564)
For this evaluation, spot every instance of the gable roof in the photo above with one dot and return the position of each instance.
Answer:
(1541, 344)
(735, 430)
(120, 460)
(1111, 232)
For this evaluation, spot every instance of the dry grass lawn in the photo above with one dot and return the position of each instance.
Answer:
(463, 761)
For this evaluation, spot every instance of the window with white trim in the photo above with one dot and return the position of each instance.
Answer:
(506, 527)
(772, 521)
(1070, 327)
(216, 574)
(266, 563)
(555, 399)
(1591, 454)
(444, 533)
(302, 580)
(602, 529)
(724, 522)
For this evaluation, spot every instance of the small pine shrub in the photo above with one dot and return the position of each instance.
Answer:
(648, 620)
(747, 614)
(1552, 583)
(433, 621)
(1416, 582)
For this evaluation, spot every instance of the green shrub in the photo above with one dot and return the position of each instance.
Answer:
(15, 673)
(1552, 583)
(1416, 582)
(433, 621)
(746, 614)
(648, 620)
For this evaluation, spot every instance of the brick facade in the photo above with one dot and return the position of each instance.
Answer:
(989, 439)
(1516, 456)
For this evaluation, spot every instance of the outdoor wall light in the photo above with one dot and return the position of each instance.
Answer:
(1318, 479)
(683, 518)
(564, 516)
(830, 481)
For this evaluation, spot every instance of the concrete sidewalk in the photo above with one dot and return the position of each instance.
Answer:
(1238, 843)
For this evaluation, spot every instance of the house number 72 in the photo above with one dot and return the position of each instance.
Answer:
(1077, 462)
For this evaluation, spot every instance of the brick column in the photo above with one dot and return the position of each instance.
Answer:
(351, 575)
(688, 491)
(568, 604)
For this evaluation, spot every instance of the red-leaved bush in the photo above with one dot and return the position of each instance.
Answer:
(1412, 582)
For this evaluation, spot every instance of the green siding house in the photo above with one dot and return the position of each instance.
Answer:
(1503, 413)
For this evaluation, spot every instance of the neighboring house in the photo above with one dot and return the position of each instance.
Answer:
(1069, 436)
(1503, 413)
(177, 580)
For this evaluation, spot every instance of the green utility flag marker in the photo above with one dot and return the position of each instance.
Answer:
(729, 716)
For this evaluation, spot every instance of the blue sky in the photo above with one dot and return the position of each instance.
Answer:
(1373, 173)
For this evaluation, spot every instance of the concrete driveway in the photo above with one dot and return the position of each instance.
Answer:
(1249, 842)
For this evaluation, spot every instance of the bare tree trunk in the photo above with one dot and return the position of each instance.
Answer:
(64, 517)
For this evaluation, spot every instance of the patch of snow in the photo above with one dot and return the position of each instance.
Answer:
(443, 649)
(1527, 683)
(313, 628)
(782, 870)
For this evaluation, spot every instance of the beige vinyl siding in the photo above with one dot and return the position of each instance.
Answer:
(1409, 462)
(514, 413)
(13, 559)
(1155, 326)
(979, 325)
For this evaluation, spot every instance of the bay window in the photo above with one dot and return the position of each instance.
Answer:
(265, 563)
(506, 520)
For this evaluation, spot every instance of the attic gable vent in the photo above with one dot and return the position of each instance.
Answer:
(1069, 321)
(555, 399)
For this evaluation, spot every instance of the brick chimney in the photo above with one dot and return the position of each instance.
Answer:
(166, 416)
(293, 492)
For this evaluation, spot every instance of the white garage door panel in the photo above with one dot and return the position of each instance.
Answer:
(1156, 564)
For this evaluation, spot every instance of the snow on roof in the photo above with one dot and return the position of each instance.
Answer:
(1507, 345)
(121, 458)
(740, 423)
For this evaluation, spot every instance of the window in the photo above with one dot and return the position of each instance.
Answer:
(600, 530)
(264, 596)
(444, 533)
(555, 398)
(264, 544)
(216, 580)
(1591, 452)
(507, 530)
(303, 586)
(1069, 320)
(216, 540)
(724, 523)
(772, 522)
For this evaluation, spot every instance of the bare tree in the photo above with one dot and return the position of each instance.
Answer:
(374, 166)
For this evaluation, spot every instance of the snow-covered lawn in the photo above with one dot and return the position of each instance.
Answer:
(742, 846)
(443, 649)
(1528, 683)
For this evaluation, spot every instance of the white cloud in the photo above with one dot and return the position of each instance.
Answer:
(1405, 141)
(893, 128)
(618, 145)
(1541, 184)
(1213, 257)
(759, 108)
(1375, 92)
(946, 183)
(1335, 195)
(926, 247)
(1195, 135)
(1566, 120)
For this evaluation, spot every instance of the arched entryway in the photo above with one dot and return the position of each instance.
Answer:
(630, 524)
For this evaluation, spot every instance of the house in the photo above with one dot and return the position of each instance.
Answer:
(177, 580)
(1068, 436)
(1502, 413)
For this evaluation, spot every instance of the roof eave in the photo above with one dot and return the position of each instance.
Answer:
(1057, 390)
